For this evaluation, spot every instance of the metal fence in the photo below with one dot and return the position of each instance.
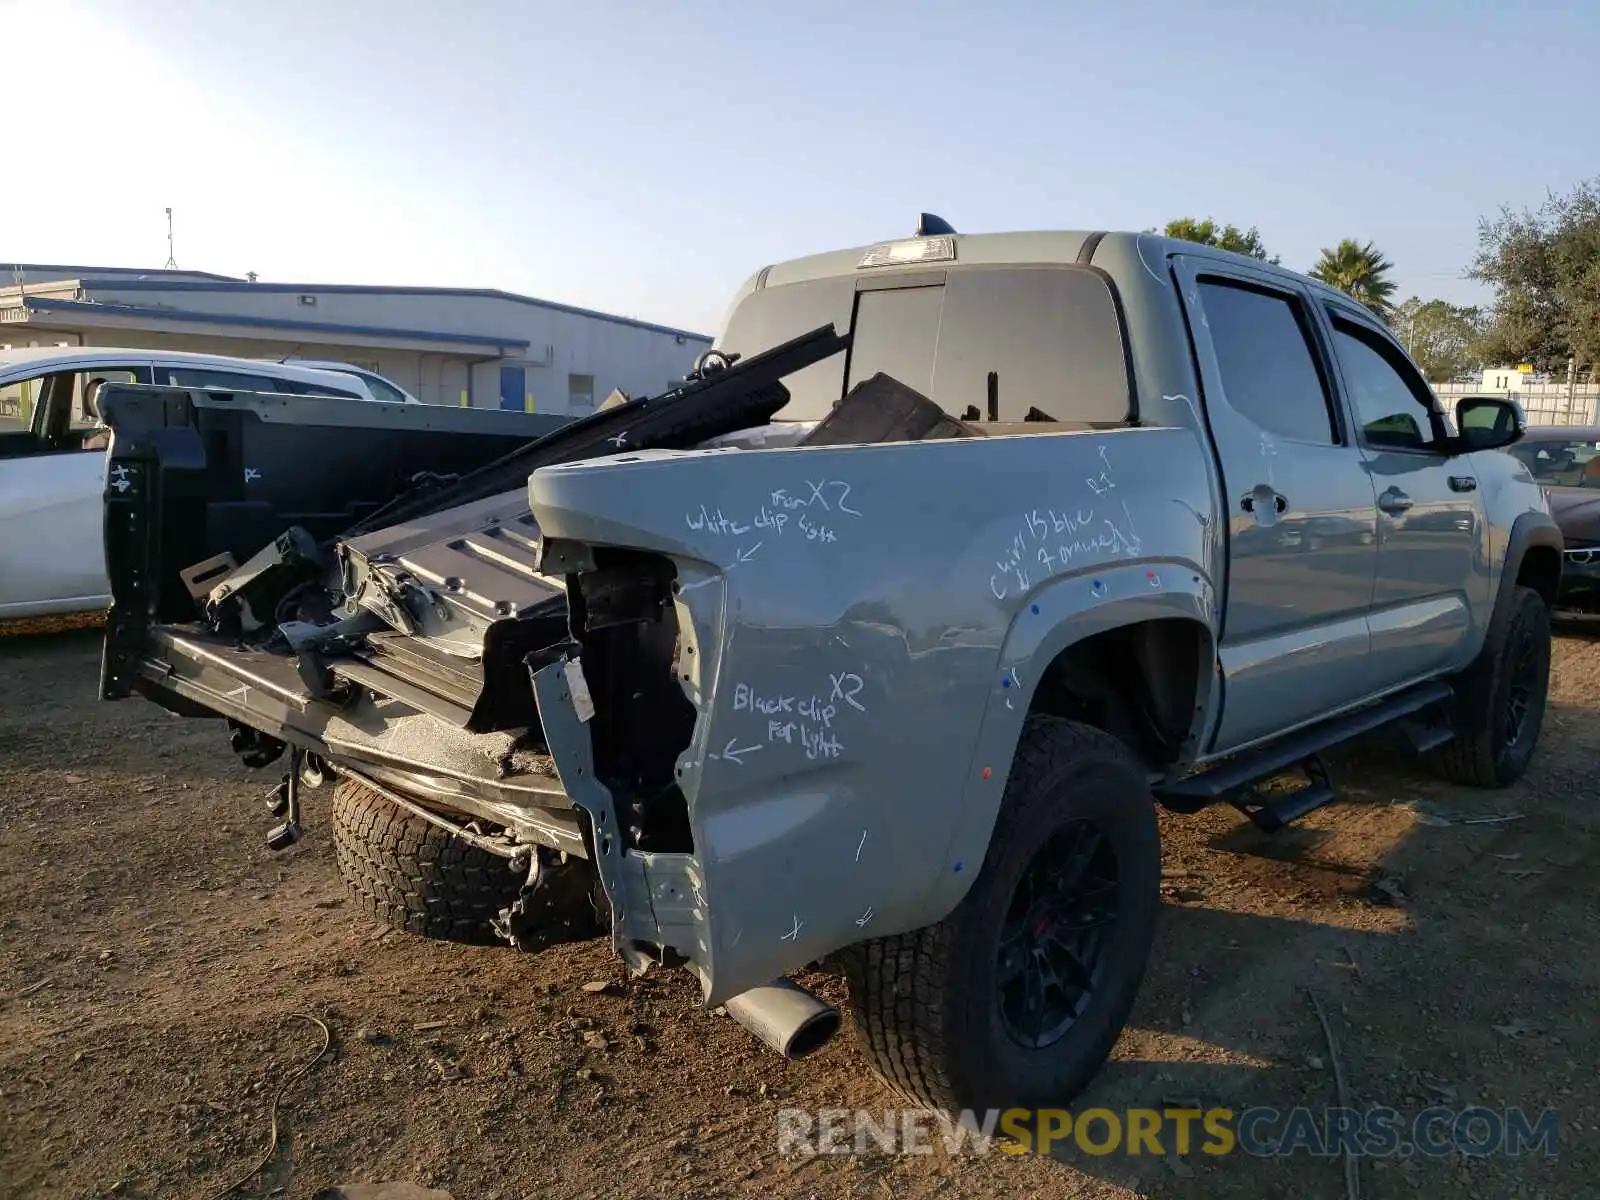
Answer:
(1544, 403)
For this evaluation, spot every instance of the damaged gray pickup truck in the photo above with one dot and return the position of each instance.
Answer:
(874, 644)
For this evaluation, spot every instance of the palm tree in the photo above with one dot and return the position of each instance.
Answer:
(1359, 271)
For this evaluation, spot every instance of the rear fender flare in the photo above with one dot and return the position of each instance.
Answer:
(1063, 613)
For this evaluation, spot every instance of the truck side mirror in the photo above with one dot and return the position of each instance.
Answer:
(1489, 422)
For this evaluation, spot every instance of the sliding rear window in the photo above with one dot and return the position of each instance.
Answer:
(1051, 336)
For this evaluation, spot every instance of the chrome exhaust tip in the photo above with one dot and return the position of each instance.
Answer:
(786, 1017)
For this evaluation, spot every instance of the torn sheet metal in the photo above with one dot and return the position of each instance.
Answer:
(832, 685)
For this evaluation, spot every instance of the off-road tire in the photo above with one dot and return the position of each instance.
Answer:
(925, 1003)
(413, 875)
(1481, 754)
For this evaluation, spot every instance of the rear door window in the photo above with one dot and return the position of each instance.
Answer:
(297, 388)
(205, 377)
(382, 389)
(1269, 370)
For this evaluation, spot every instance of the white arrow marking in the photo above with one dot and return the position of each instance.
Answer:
(747, 555)
(732, 753)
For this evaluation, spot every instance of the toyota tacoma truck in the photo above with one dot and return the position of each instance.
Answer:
(876, 642)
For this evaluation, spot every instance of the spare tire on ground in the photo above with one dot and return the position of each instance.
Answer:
(411, 874)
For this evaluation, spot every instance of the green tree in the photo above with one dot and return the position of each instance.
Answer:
(1358, 271)
(1445, 339)
(1226, 237)
(1544, 267)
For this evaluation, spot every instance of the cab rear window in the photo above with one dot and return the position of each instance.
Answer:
(1050, 338)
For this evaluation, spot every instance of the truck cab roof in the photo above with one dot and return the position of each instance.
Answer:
(1069, 327)
(1080, 247)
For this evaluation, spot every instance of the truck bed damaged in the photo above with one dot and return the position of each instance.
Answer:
(413, 652)
(675, 656)
(494, 776)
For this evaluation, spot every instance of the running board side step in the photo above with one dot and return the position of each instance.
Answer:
(1231, 780)
(1271, 813)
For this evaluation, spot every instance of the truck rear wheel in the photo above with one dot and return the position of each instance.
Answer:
(1017, 997)
(1502, 699)
(413, 875)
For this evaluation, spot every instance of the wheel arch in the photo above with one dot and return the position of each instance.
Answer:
(1069, 653)
(1532, 559)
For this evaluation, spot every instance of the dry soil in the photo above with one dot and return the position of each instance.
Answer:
(156, 961)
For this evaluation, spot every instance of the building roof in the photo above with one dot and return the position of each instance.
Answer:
(206, 281)
(65, 271)
(94, 308)
(177, 285)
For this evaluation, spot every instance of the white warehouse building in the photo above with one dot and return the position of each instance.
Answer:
(475, 347)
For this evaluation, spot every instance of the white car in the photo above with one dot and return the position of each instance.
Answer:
(53, 461)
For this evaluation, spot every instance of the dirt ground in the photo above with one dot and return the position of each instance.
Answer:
(154, 958)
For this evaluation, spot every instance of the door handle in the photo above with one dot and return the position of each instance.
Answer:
(1280, 502)
(1463, 483)
(1394, 501)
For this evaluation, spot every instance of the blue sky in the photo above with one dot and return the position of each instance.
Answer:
(645, 158)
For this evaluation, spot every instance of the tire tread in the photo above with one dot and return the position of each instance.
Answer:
(898, 983)
(412, 875)
(1473, 760)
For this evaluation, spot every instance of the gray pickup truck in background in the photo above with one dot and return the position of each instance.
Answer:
(877, 642)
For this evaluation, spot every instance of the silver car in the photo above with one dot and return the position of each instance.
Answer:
(53, 461)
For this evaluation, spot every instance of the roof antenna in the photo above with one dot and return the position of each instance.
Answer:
(929, 225)
(172, 263)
